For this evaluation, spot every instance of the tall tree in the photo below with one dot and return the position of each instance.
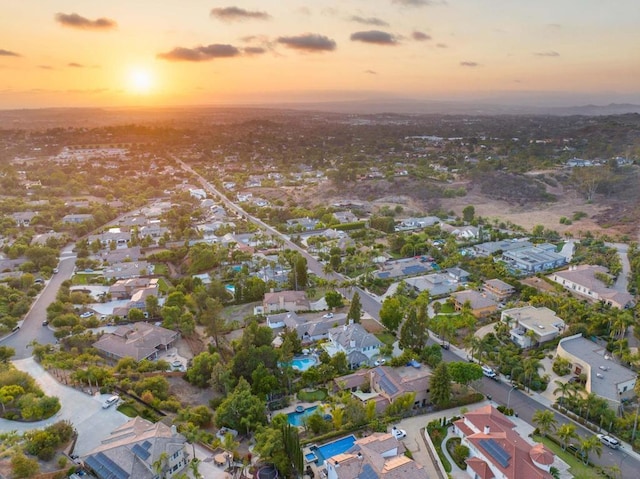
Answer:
(413, 333)
(545, 420)
(355, 310)
(440, 386)
(241, 410)
(391, 313)
(463, 373)
(565, 433)
(589, 445)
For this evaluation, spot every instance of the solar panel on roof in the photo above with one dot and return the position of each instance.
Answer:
(146, 445)
(141, 452)
(105, 468)
(496, 451)
(368, 473)
(384, 274)
(386, 383)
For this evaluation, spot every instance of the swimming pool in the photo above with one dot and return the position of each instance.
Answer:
(297, 418)
(334, 448)
(303, 363)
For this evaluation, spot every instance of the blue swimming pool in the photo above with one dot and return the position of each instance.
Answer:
(303, 363)
(334, 448)
(297, 418)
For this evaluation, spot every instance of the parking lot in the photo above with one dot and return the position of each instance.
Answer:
(84, 411)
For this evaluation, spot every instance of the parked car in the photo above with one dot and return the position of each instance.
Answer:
(110, 401)
(87, 314)
(45, 323)
(55, 270)
(380, 362)
(490, 373)
(609, 441)
(398, 433)
(328, 316)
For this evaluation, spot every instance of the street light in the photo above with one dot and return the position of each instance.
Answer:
(509, 395)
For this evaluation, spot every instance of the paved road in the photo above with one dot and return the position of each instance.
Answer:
(31, 328)
(85, 411)
(370, 304)
(526, 405)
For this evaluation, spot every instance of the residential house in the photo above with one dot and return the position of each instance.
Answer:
(583, 280)
(124, 288)
(379, 455)
(77, 218)
(605, 377)
(136, 449)
(438, 284)
(128, 270)
(198, 193)
(534, 259)
(138, 341)
(532, 326)
(285, 301)
(458, 274)
(467, 232)
(23, 218)
(345, 217)
(304, 224)
(492, 247)
(385, 385)
(498, 289)
(497, 451)
(353, 340)
(138, 301)
(308, 329)
(122, 255)
(480, 304)
(417, 223)
(113, 236)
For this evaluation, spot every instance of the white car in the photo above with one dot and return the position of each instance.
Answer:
(328, 316)
(88, 314)
(398, 433)
(380, 362)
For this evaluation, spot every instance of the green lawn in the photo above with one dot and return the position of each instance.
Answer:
(386, 337)
(163, 286)
(160, 269)
(312, 396)
(577, 467)
(128, 410)
(83, 279)
(447, 308)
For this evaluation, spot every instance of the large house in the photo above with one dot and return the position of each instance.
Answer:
(285, 301)
(353, 340)
(583, 280)
(384, 385)
(138, 341)
(498, 289)
(480, 304)
(497, 451)
(379, 455)
(308, 329)
(138, 450)
(533, 259)
(532, 326)
(605, 377)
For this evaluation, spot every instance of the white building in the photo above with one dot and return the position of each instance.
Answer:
(531, 326)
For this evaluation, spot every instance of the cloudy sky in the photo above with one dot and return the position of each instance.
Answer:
(205, 52)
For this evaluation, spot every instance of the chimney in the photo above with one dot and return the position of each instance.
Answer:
(174, 430)
(487, 429)
(359, 455)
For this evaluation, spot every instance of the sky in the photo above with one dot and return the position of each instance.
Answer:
(83, 53)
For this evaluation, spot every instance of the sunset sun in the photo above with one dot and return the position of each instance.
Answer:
(140, 81)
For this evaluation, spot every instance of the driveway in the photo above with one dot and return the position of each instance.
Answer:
(85, 412)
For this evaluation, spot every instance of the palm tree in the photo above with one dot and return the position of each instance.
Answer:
(592, 443)
(565, 433)
(474, 343)
(545, 420)
(531, 366)
(564, 388)
(160, 464)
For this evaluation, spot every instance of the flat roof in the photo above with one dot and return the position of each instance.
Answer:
(606, 374)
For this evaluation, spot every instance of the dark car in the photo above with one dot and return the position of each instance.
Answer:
(45, 323)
